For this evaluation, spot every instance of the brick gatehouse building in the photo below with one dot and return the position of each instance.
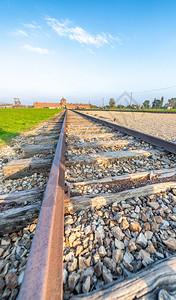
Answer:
(63, 104)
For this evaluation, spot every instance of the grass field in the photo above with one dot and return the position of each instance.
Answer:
(16, 121)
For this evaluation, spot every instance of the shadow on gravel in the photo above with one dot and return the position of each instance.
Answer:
(6, 136)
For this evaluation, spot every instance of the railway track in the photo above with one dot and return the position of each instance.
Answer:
(118, 194)
(21, 195)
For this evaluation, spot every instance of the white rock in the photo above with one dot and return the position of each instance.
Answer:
(141, 240)
(117, 256)
(128, 257)
(119, 244)
(86, 285)
(102, 251)
(65, 276)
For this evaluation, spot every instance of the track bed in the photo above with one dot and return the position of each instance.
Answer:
(111, 197)
(121, 216)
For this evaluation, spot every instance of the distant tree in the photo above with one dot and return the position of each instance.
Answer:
(172, 102)
(146, 104)
(162, 101)
(156, 103)
(112, 103)
(120, 106)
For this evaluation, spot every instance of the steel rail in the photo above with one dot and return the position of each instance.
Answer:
(43, 275)
(156, 141)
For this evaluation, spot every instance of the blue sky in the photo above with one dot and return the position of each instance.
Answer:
(87, 50)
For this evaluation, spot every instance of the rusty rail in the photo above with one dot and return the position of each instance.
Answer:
(43, 275)
(158, 142)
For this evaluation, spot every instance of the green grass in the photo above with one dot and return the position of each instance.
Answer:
(15, 121)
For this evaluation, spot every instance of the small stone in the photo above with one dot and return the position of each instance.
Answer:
(137, 209)
(96, 258)
(135, 226)
(69, 220)
(143, 217)
(14, 294)
(118, 217)
(88, 261)
(5, 241)
(141, 240)
(127, 266)
(128, 257)
(159, 255)
(101, 231)
(78, 288)
(146, 226)
(87, 230)
(124, 224)
(145, 256)
(65, 276)
(117, 256)
(4, 264)
(20, 278)
(158, 219)
(82, 264)
(119, 271)
(11, 280)
(154, 205)
(89, 271)
(6, 294)
(73, 280)
(119, 244)
(2, 283)
(69, 256)
(131, 246)
(170, 243)
(109, 263)
(102, 251)
(1, 251)
(154, 227)
(106, 242)
(86, 285)
(117, 232)
(72, 237)
(107, 276)
(98, 268)
(72, 265)
(150, 249)
(164, 225)
(148, 235)
(32, 227)
(79, 249)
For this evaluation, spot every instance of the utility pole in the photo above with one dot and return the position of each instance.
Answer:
(131, 100)
(103, 102)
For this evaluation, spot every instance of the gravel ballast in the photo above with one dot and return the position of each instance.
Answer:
(157, 124)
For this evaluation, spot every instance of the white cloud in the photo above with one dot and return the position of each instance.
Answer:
(64, 28)
(36, 49)
(32, 26)
(20, 33)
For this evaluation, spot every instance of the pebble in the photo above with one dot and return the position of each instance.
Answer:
(109, 249)
(86, 285)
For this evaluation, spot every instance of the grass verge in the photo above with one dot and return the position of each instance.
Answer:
(15, 121)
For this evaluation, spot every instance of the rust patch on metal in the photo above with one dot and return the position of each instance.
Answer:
(43, 275)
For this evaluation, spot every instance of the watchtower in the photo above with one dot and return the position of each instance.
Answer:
(17, 101)
(63, 102)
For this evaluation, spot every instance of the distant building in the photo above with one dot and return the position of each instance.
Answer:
(62, 105)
